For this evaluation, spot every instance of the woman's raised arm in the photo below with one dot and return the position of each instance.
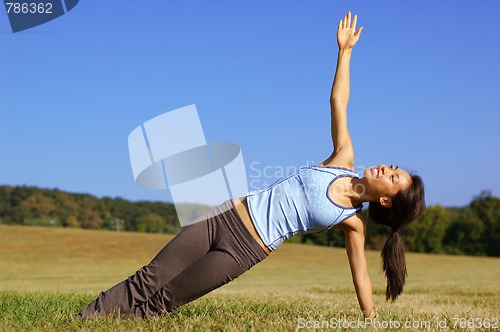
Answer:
(347, 37)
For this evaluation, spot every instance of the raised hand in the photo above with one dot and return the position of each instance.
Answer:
(347, 36)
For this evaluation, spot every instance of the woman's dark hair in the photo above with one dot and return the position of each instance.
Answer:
(407, 205)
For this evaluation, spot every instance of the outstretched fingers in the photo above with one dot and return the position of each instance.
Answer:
(347, 36)
(348, 22)
(358, 33)
(354, 22)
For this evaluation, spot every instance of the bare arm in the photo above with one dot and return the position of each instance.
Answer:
(355, 231)
(347, 37)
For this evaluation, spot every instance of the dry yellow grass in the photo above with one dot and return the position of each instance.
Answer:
(85, 262)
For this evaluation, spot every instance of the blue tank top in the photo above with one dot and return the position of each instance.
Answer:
(298, 203)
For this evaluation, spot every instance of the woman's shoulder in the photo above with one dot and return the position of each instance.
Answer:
(355, 223)
(337, 159)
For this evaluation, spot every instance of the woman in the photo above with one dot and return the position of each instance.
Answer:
(240, 233)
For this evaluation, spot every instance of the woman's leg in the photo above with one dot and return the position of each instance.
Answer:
(233, 252)
(215, 269)
(187, 247)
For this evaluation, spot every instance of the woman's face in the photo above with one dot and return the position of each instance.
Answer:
(386, 181)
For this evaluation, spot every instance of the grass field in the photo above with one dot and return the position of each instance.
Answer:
(48, 274)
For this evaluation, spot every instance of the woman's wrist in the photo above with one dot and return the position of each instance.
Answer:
(347, 50)
(371, 313)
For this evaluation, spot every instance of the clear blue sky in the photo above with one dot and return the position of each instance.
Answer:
(425, 87)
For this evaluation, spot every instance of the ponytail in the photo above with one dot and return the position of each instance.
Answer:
(394, 265)
(407, 206)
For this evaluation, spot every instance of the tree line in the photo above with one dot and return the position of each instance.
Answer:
(23, 205)
(470, 230)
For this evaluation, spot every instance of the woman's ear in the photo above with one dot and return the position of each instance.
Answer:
(385, 201)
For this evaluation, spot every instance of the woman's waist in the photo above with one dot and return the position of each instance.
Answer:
(241, 206)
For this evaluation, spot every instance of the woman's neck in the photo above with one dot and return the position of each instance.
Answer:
(357, 191)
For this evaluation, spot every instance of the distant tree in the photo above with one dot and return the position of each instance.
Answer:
(426, 234)
(464, 235)
(376, 234)
(331, 238)
(19, 194)
(91, 219)
(66, 207)
(71, 221)
(150, 223)
(14, 215)
(5, 199)
(38, 205)
(487, 209)
(127, 211)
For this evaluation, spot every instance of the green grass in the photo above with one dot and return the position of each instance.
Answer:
(48, 274)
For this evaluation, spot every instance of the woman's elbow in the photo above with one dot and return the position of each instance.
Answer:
(338, 102)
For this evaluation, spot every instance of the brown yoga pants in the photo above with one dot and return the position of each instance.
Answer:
(200, 258)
